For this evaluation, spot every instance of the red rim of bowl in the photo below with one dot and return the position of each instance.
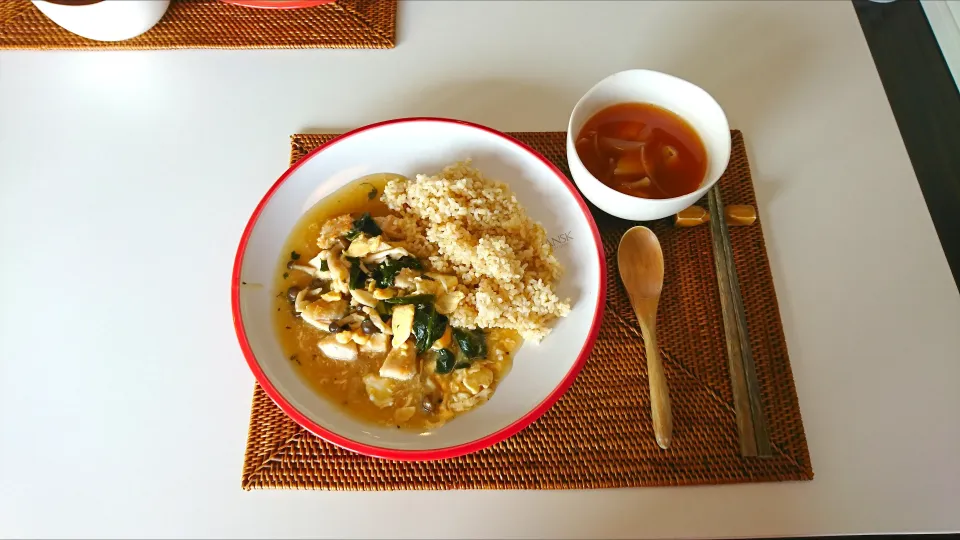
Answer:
(278, 4)
(436, 453)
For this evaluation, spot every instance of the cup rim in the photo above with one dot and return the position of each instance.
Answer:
(609, 191)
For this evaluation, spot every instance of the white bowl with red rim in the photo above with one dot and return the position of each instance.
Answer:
(541, 372)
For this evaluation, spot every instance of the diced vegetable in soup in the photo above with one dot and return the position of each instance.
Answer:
(642, 150)
(367, 323)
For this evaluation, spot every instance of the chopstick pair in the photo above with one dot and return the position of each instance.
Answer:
(751, 421)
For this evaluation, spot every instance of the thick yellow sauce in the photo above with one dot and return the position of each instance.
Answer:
(340, 381)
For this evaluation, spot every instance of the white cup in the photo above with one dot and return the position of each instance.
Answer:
(684, 99)
(111, 20)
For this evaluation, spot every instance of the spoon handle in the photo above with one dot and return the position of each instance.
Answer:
(659, 395)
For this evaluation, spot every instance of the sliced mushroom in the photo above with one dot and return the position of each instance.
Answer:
(377, 320)
(619, 145)
(307, 270)
(339, 269)
(369, 328)
(379, 257)
(363, 297)
(351, 321)
(300, 302)
(670, 155)
(317, 262)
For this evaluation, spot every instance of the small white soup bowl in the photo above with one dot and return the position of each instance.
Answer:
(684, 99)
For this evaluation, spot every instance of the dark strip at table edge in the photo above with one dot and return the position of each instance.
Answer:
(926, 104)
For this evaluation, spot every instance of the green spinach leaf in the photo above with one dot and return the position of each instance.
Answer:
(445, 361)
(363, 224)
(412, 299)
(357, 276)
(384, 310)
(472, 343)
(428, 326)
(387, 271)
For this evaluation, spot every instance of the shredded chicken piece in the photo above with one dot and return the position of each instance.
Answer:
(379, 390)
(331, 296)
(477, 378)
(449, 283)
(402, 323)
(365, 245)
(404, 413)
(325, 326)
(427, 286)
(377, 344)
(318, 261)
(447, 303)
(333, 349)
(400, 363)
(464, 402)
(389, 226)
(382, 294)
(321, 310)
(333, 229)
(405, 278)
(381, 256)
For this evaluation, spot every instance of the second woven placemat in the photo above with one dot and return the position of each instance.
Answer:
(211, 24)
(599, 434)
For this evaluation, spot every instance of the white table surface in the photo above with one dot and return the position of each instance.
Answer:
(126, 179)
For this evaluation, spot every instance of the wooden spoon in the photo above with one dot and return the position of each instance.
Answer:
(641, 270)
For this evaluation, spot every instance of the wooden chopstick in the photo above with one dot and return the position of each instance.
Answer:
(751, 422)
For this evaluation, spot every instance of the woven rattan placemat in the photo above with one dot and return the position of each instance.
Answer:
(211, 24)
(599, 434)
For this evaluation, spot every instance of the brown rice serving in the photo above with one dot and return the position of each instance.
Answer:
(464, 223)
